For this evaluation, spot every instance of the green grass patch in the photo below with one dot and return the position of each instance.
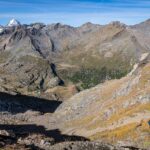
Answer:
(91, 77)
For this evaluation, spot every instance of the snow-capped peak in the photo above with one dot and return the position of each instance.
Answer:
(13, 22)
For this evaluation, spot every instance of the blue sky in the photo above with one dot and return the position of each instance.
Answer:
(74, 12)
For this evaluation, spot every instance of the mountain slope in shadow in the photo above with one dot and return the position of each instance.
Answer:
(21, 103)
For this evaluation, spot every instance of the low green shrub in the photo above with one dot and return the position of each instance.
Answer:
(91, 77)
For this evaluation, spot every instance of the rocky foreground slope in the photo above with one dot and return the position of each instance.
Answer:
(117, 111)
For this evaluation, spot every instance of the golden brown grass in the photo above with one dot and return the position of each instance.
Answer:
(132, 131)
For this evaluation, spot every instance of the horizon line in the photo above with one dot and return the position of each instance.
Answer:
(50, 23)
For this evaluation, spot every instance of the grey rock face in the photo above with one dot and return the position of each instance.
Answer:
(23, 62)
(87, 146)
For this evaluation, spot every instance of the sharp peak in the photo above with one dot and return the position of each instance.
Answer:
(59, 25)
(13, 19)
(13, 22)
(89, 24)
(116, 23)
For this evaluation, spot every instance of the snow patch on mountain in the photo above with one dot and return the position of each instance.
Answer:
(13, 22)
(1, 29)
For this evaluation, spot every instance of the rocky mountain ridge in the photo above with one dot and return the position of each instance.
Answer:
(85, 83)
(111, 46)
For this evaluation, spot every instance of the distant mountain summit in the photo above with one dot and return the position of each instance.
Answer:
(13, 22)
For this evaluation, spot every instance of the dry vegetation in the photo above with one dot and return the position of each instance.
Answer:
(125, 122)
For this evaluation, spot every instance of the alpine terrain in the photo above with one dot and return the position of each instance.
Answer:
(75, 88)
